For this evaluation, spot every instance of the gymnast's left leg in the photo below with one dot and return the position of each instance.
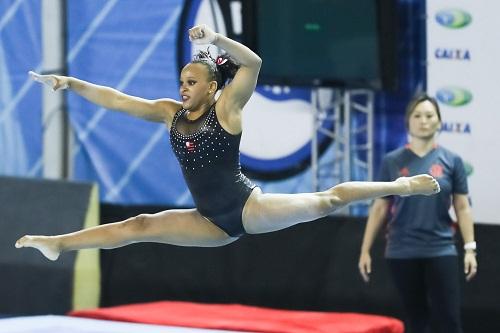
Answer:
(270, 212)
(183, 227)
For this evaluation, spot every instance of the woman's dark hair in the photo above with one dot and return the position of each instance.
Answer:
(412, 104)
(220, 69)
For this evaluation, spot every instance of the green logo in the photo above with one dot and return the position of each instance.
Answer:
(454, 96)
(453, 18)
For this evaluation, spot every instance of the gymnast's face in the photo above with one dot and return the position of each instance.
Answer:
(424, 121)
(194, 87)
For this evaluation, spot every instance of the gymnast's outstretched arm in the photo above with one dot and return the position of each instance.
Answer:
(159, 110)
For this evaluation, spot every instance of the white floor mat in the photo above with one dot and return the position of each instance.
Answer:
(63, 324)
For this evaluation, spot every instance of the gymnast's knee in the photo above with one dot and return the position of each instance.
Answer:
(336, 198)
(137, 223)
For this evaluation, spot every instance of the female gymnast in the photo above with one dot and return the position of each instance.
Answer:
(205, 134)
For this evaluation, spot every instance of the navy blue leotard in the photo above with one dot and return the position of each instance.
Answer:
(210, 161)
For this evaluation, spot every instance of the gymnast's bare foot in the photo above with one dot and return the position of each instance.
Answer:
(419, 184)
(45, 244)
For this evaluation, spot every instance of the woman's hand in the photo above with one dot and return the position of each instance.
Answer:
(56, 82)
(365, 265)
(202, 34)
(470, 265)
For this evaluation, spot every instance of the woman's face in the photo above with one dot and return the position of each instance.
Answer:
(194, 87)
(424, 121)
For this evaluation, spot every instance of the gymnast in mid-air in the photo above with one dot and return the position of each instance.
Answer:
(205, 134)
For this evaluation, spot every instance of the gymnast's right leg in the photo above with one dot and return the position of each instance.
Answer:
(183, 227)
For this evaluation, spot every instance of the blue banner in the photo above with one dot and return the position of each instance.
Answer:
(127, 45)
(21, 125)
(134, 47)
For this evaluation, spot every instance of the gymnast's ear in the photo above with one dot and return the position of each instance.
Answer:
(212, 87)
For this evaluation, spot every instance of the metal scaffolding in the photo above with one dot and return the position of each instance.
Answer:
(346, 118)
(57, 134)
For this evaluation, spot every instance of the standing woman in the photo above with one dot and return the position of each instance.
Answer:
(205, 134)
(420, 248)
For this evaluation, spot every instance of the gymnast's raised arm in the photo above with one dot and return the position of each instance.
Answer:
(237, 93)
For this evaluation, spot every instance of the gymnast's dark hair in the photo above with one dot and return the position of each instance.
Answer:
(417, 99)
(221, 69)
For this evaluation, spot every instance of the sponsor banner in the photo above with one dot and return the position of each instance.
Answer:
(462, 74)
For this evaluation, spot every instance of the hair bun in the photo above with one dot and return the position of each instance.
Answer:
(222, 68)
(226, 67)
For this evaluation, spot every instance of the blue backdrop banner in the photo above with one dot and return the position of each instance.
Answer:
(128, 45)
(134, 46)
(20, 103)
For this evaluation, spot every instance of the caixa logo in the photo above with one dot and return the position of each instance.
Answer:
(454, 96)
(452, 54)
(453, 18)
(456, 127)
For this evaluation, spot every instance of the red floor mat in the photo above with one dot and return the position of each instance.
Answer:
(245, 318)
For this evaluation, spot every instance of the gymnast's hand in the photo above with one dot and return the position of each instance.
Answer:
(56, 82)
(202, 34)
